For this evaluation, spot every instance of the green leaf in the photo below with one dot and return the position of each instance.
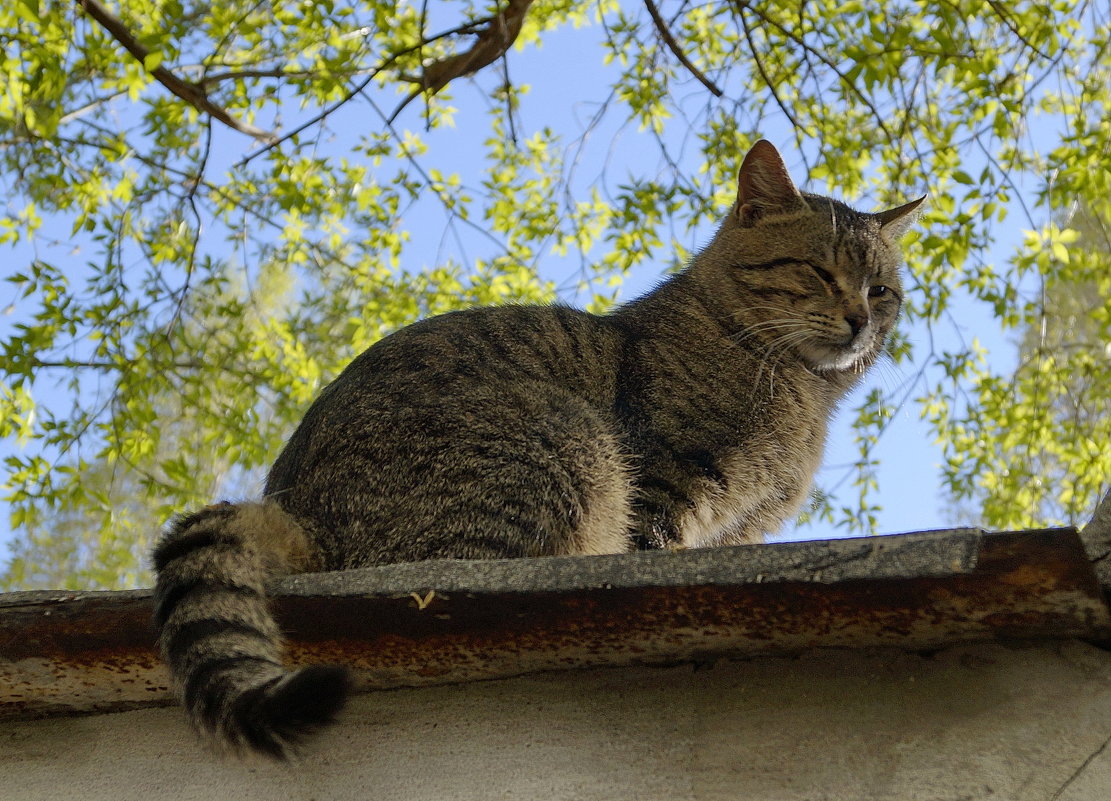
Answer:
(180, 292)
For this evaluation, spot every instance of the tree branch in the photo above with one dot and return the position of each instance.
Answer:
(763, 73)
(1006, 20)
(329, 109)
(191, 93)
(673, 46)
(246, 74)
(72, 364)
(492, 42)
(800, 40)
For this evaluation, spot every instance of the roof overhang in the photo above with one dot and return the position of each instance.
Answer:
(456, 621)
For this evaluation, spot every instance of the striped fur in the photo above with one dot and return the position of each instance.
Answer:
(694, 416)
(219, 638)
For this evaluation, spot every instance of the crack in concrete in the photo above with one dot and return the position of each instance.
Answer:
(1080, 770)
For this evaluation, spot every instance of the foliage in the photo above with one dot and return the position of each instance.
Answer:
(1036, 445)
(211, 208)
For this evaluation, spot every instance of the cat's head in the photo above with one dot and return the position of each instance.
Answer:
(802, 274)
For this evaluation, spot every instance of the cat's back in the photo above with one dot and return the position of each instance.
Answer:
(489, 347)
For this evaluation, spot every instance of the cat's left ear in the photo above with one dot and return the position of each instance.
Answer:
(763, 185)
(897, 221)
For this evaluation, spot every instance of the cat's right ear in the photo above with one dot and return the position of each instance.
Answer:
(763, 185)
(895, 222)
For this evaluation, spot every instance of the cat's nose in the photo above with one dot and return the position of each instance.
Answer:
(857, 322)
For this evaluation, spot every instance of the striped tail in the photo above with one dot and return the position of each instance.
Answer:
(216, 632)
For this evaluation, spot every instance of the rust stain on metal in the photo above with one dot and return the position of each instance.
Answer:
(70, 652)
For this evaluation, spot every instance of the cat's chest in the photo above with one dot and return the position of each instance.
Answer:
(761, 486)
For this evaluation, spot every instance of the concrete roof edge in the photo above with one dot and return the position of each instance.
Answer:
(448, 622)
(919, 554)
(1096, 537)
(916, 554)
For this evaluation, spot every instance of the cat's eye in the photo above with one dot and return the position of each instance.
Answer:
(878, 291)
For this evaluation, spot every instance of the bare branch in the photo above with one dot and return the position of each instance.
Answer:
(763, 74)
(247, 74)
(329, 109)
(191, 93)
(673, 46)
(322, 115)
(72, 364)
(1006, 20)
(800, 40)
(492, 42)
(508, 99)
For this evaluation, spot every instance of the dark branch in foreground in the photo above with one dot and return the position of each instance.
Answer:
(492, 42)
(673, 46)
(191, 93)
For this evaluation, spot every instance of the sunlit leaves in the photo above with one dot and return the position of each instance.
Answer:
(210, 286)
(1034, 447)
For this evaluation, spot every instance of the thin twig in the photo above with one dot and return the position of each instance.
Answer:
(420, 56)
(70, 364)
(763, 74)
(800, 40)
(1006, 20)
(325, 112)
(191, 199)
(247, 74)
(358, 89)
(426, 177)
(508, 99)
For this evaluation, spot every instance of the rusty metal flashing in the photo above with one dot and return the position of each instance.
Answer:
(446, 622)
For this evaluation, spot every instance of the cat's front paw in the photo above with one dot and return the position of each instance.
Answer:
(655, 532)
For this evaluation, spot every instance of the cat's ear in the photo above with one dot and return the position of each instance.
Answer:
(764, 186)
(897, 221)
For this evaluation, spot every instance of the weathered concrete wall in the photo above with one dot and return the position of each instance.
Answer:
(992, 722)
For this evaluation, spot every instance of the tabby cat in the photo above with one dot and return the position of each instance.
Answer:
(694, 416)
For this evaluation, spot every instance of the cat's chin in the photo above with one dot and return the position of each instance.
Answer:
(829, 359)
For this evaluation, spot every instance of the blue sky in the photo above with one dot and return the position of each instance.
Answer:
(909, 478)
